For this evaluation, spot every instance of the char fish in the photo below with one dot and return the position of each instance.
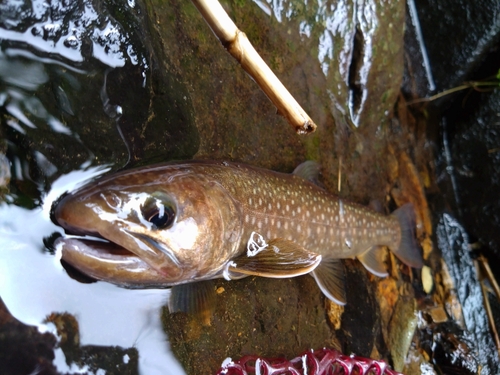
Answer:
(174, 224)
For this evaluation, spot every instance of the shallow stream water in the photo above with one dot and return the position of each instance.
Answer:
(54, 65)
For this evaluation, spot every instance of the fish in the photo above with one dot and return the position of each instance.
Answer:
(179, 224)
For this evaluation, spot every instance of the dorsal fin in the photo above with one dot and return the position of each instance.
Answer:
(330, 277)
(309, 170)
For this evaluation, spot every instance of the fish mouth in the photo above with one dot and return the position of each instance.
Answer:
(105, 260)
(108, 251)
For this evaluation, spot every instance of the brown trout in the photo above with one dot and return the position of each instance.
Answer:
(172, 224)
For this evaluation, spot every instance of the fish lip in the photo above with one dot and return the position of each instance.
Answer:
(109, 262)
(76, 232)
(94, 241)
(109, 246)
(55, 206)
(94, 237)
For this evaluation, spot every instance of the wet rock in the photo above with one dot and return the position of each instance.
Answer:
(279, 318)
(452, 350)
(81, 84)
(455, 52)
(454, 245)
(361, 54)
(360, 329)
(113, 360)
(4, 175)
(417, 363)
(23, 349)
(232, 114)
(473, 182)
(255, 315)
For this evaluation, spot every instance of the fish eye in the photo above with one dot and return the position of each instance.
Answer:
(159, 211)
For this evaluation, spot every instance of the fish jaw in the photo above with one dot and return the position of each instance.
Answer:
(108, 262)
(196, 245)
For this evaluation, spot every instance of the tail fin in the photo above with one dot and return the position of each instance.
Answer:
(408, 251)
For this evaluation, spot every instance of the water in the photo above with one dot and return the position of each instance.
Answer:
(33, 284)
(65, 118)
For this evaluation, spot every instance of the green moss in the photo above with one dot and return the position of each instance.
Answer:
(312, 145)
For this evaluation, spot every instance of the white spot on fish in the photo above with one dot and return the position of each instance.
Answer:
(255, 244)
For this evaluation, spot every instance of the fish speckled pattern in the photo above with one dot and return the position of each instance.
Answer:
(278, 205)
(179, 223)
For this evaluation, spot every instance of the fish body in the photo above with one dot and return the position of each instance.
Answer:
(172, 224)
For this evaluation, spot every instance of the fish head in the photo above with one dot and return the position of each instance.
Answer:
(182, 226)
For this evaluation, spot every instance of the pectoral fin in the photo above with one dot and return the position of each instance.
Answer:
(373, 260)
(278, 259)
(194, 298)
(330, 277)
